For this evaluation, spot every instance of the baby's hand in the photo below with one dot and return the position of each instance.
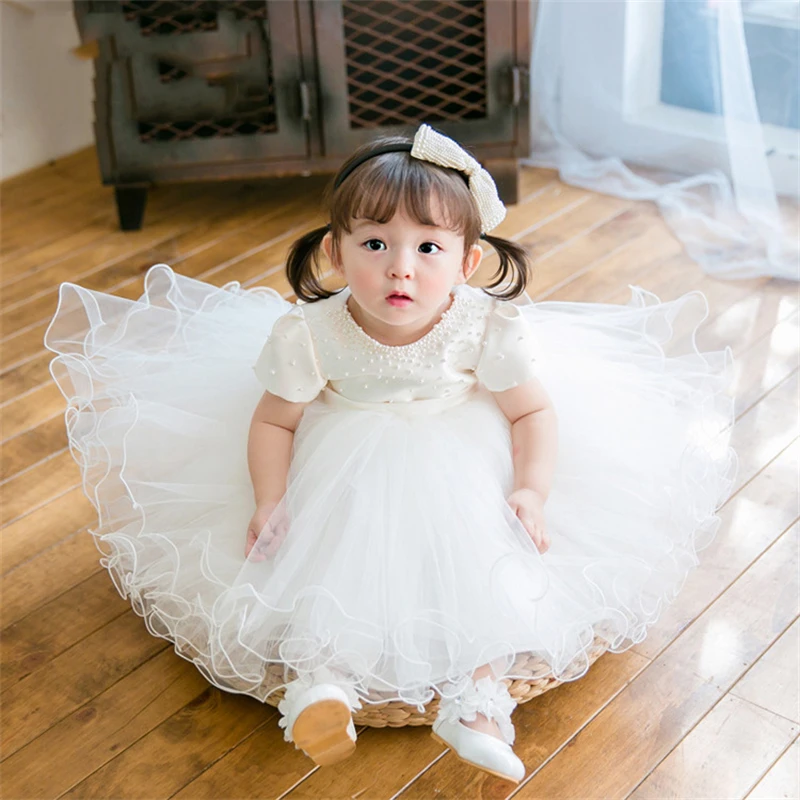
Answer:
(266, 531)
(529, 507)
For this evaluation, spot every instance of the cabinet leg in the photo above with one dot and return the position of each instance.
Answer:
(505, 172)
(131, 201)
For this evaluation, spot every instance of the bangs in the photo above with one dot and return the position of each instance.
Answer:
(392, 182)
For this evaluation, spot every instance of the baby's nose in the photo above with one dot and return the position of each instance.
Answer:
(402, 265)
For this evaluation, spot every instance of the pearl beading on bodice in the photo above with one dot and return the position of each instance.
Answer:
(399, 372)
(441, 332)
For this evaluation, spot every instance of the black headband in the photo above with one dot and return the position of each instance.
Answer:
(378, 151)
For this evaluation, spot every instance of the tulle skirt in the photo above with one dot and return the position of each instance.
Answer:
(403, 566)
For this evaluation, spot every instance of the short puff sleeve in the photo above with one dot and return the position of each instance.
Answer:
(509, 351)
(288, 366)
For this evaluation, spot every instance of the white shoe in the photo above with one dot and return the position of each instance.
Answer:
(492, 699)
(480, 749)
(319, 722)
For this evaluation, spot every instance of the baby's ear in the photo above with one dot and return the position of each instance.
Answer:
(472, 261)
(327, 248)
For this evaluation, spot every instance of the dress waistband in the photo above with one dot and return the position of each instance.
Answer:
(410, 408)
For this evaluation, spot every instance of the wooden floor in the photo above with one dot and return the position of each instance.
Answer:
(93, 706)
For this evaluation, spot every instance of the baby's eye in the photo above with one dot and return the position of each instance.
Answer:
(376, 245)
(429, 248)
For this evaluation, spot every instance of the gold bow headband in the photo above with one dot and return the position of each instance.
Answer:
(430, 145)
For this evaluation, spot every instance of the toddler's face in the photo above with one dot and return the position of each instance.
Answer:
(380, 260)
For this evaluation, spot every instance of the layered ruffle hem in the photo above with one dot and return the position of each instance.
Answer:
(403, 566)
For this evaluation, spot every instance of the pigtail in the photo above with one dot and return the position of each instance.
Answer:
(514, 263)
(302, 266)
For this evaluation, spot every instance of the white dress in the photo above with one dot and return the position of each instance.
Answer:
(403, 566)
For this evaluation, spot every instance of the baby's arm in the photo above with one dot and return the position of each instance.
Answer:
(269, 445)
(534, 435)
(269, 453)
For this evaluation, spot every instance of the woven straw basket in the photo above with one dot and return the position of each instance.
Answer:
(395, 714)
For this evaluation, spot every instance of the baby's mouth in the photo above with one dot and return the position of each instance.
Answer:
(398, 296)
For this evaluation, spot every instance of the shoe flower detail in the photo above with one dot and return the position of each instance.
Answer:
(286, 706)
(282, 723)
(467, 698)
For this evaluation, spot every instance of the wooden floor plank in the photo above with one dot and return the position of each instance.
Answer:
(31, 706)
(723, 756)
(772, 425)
(678, 275)
(95, 227)
(782, 782)
(22, 414)
(66, 186)
(384, 760)
(54, 572)
(38, 486)
(593, 211)
(33, 447)
(164, 204)
(29, 376)
(99, 730)
(61, 216)
(182, 215)
(561, 265)
(772, 683)
(31, 185)
(82, 239)
(49, 524)
(39, 637)
(767, 363)
(32, 225)
(623, 265)
(177, 750)
(750, 318)
(749, 524)
(90, 237)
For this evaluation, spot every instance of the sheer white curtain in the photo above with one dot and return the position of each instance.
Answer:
(690, 103)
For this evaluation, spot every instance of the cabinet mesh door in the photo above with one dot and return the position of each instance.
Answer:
(248, 82)
(414, 60)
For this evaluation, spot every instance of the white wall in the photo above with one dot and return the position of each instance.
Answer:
(45, 91)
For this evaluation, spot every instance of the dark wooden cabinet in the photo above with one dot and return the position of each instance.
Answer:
(224, 89)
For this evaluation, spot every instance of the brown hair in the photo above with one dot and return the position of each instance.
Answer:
(380, 186)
